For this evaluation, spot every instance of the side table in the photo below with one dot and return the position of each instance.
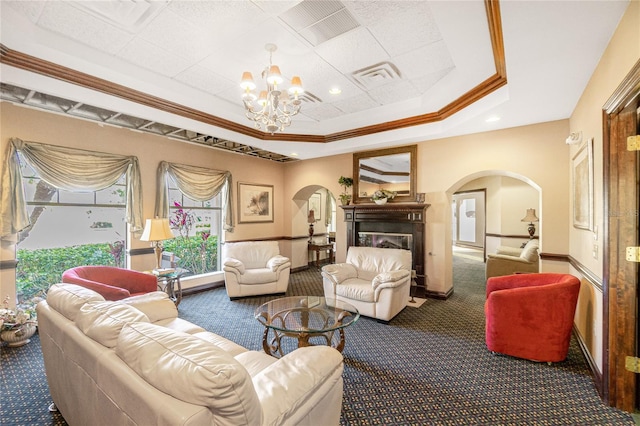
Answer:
(318, 247)
(170, 283)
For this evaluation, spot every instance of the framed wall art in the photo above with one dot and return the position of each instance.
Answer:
(582, 174)
(315, 204)
(255, 203)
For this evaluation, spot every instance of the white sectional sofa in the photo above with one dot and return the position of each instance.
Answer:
(134, 362)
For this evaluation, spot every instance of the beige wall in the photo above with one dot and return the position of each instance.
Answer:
(37, 126)
(620, 56)
(507, 200)
(533, 154)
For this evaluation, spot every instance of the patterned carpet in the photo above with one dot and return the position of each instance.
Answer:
(429, 366)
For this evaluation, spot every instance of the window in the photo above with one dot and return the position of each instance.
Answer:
(197, 227)
(67, 229)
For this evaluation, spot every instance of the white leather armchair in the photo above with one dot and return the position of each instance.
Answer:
(253, 268)
(377, 281)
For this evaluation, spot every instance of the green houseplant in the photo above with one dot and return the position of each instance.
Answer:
(345, 183)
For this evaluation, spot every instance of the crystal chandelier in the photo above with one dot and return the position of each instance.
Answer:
(272, 108)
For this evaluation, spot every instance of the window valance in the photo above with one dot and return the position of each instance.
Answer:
(197, 183)
(69, 169)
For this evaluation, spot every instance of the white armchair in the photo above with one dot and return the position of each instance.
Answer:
(253, 268)
(377, 281)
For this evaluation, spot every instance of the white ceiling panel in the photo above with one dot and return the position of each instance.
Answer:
(410, 58)
(78, 25)
(152, 57)
(352, 51)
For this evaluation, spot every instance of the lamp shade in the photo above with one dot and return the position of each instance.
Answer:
(296, 86)
(530, 217)
(156, 230)
(274, 76)
(247, 81)
(311, 218)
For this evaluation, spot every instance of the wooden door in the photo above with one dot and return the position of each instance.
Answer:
(621, 200)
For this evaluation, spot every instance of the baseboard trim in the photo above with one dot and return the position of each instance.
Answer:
(597, 374)
(438, 294)
(202, 287)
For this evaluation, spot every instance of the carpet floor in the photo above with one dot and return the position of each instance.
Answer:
(428, 366)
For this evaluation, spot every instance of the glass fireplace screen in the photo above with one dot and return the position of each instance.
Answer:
(385, 240)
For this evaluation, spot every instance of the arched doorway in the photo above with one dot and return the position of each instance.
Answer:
(323, 202)
(507, 197)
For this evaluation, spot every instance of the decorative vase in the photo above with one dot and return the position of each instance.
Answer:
(380, 201)
(15, 338)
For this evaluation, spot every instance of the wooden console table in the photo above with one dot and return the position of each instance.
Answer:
(318, 247)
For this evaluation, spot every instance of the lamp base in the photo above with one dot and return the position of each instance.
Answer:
(310, 231)
(531, 229)
(157, 249)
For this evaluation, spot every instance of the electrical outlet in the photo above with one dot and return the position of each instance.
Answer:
(595, 251)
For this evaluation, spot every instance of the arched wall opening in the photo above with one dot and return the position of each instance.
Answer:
(305, 198)
(508, 196)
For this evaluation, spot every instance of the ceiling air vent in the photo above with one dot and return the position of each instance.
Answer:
(319, 21)
(376, 75)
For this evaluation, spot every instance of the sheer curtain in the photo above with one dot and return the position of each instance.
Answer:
(197, 183)
(68, 169)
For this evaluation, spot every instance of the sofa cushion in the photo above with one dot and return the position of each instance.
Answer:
(258, 276)
(226, 345)
(371, 261)
(356, 289)
(530, 251)
(102, 321)
(192, 370)
(156, 305)
(254, 254)
(67, 299)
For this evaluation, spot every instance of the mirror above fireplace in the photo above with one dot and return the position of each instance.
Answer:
(393, 169)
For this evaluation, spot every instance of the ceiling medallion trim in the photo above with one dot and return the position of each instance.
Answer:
(49, 69)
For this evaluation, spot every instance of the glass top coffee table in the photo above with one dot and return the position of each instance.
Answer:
(309, 319)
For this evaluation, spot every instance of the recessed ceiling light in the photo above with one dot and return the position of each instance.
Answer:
(294, 154)
(335, 91)
(492, 119)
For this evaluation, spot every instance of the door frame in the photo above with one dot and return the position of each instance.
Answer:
(619, 312)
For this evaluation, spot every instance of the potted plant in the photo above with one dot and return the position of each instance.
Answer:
(345, 183)
(382, 195)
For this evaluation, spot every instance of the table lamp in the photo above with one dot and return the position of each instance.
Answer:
(157, 230)
(530, 217)
(311, 219)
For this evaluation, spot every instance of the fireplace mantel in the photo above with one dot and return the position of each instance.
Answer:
(406, 218)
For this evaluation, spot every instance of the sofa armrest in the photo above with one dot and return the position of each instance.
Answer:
(507, 258)
(339, 272)
(109, 292)
(136, 281)
(509, 251)
(233, 265)
(390, 279)
(293, 380)
(278, 262)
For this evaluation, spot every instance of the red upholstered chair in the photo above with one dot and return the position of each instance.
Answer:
(112, 283)
(530, 316)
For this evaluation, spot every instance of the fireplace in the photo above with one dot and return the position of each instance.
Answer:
(385, 240)
(391, 225)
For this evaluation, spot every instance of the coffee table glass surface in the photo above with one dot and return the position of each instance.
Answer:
(308, 319)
